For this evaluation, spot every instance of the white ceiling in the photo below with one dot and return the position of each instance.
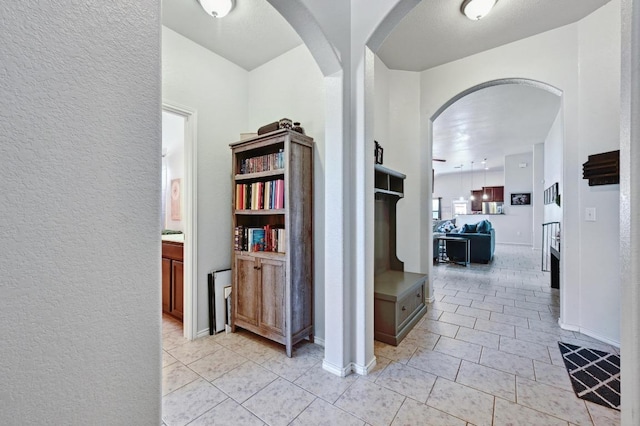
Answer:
(436, 32)
(433, 33)
(491, 123)
(251, 35)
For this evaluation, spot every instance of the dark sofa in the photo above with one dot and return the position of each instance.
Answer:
(482, 242)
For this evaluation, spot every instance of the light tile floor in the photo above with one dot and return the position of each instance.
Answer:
(485, 353)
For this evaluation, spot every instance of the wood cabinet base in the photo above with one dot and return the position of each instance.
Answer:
(172, 279)
(398, 305)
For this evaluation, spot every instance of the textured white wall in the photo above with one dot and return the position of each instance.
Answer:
(600, 132)
(538, 191)
(292, 86)
(629, 212)
(80, 213)
(519, 229)
(173, 144)
(217, 89)
(381, 103)
(553, 167)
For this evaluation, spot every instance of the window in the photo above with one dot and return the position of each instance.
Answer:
(436, 208)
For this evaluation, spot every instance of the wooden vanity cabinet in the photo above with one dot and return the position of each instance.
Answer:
(173, 279)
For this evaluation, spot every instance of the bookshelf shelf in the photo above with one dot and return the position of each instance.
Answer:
(392, 193)
(272, 290)
(259, 175)
(260, 212)
(261, 254)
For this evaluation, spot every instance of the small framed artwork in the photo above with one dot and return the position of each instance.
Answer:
(521, 199)
(379, 151)
(176, 203)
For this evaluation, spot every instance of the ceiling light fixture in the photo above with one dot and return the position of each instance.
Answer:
(217, 8)
(477, 9)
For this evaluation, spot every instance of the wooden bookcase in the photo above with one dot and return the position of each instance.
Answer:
(272, 291)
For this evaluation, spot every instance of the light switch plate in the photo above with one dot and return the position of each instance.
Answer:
(590, 214)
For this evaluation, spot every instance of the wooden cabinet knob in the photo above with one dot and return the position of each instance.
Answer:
(404, 308)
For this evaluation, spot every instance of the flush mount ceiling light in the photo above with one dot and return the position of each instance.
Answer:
(217, 8)
(477, 9)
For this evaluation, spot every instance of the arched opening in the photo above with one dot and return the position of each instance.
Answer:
(512, 130)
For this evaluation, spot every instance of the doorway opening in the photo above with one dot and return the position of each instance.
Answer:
(178, 215)
(512, 130)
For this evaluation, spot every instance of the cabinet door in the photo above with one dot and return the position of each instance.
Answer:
(177, 292)
(476, 203)
(498, 193)
(247, 290)
(488, 190)
(166, 285)
(272, 303)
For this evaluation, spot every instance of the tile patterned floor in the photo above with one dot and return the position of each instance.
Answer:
(485, 353)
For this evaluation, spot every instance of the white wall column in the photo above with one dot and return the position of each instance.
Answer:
(538, 188)
(629, 212)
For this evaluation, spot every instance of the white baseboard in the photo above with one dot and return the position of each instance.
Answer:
(318, 341)
(363, 370)
(569, 327)
(202, 333)
(431, 299)
(334, 369)
(589, 333)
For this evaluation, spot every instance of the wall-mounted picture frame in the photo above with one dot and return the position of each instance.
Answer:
(552, 195)
(379, 152)
(521, 199)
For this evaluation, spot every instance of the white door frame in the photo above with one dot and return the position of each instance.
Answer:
(190, 314)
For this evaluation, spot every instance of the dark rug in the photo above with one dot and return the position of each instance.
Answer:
(595, 375)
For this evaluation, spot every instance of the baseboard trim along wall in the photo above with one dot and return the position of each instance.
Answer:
(338, 371)
(365, 370)
(589, 333)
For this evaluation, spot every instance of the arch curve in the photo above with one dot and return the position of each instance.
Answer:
(303, 22)
(499, 82)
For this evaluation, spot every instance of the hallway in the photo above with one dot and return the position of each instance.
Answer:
(485, 353)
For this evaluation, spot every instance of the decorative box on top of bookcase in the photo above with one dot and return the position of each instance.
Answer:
(272, 287)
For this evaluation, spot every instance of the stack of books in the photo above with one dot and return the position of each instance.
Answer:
(260, 195)
(263, 163)
(254, 239)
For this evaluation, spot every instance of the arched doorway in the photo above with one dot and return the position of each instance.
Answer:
(512, 129)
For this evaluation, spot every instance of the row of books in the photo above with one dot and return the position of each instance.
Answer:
(259, 239)
(263, 163)
(260, 195)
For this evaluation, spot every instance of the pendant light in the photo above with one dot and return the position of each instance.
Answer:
(472, 197)
(461, 196)
(485, 196)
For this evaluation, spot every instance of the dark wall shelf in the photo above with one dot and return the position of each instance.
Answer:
(602, 169)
